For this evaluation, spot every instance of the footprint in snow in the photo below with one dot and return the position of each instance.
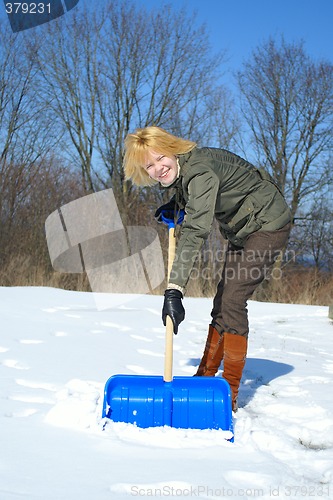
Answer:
(59, 334)
(328, 367)
(30, 398)
(247, 479)
(150, 353)
(31, 341)
(159, 330)
(298, 339)
(13, 363)
(27, 412)
(139, 337)
(36, 385)
(24, 398)
(290, 391)
(117, 326)
(138, 370)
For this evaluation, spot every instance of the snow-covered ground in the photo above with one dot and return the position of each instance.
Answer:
(56, 352)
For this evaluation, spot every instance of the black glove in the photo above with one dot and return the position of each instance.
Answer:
(173, 307)
(168, 211)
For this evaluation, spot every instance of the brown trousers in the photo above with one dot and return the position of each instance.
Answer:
(244, 269)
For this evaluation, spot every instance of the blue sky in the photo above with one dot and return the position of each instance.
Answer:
(239, 26)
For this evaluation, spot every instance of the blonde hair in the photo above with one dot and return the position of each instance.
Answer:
(141, 143)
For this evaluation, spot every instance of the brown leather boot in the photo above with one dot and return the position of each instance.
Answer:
(213, 354)
(235, 349)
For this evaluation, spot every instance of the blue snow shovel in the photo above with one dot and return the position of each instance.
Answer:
(181, 402)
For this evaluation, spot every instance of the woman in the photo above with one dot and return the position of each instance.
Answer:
(252, 215)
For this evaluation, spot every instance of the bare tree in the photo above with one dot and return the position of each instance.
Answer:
(26, 133)
(312, 238)
(109, 71)
(287, 102)
(68, 64)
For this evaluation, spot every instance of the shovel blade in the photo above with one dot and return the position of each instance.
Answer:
(201, 403)
(185, 402)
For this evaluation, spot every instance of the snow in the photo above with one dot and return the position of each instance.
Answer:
(57, 350)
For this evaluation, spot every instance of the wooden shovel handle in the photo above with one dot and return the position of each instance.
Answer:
(168, 360)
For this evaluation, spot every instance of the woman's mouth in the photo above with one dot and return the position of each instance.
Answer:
(164, 175)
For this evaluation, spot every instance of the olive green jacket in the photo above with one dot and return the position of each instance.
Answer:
(217, 183)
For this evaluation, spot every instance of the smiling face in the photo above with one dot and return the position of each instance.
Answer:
(162, 168)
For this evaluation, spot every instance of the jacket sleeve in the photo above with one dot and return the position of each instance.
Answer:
(202, 188)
